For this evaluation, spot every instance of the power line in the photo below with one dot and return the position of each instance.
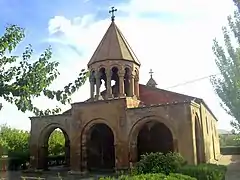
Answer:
(192, 81)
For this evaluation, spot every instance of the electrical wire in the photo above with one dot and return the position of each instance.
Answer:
(192, 81)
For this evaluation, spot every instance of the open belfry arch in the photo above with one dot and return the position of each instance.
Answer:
(114, 60)
(111, 129)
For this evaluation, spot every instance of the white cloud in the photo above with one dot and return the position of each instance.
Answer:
(177, 51)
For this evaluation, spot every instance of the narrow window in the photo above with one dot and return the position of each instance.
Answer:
(207, 125)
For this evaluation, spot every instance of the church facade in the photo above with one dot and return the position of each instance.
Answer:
(114, 127)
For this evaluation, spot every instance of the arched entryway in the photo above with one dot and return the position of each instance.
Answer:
(164, 141)
(54, 150)
(154, 137)
(100, 148)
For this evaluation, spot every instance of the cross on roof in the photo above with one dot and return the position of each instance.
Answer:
(151, 72)
(112, 12)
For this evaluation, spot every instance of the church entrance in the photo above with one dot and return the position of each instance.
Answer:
(154, 137)
(100, 148)
(54, 153)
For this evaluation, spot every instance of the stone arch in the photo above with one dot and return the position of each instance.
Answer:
(100, 67)
(136, 128)
(136, 70)
(86, 136)
(90, 124)
(128, 67)
(43, 139)
(116, 65)
(48, 129)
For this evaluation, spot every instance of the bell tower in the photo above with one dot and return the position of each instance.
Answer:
(114, 66)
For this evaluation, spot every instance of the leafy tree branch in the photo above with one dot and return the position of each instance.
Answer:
(19, 84)
(227, 86)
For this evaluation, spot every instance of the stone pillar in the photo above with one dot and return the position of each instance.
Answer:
(136, 86)
(121, 83)
(132, 85)
(121, 156)
(75, 156)
(109, 87)
(98, 84)
(92, 89)
(33, 156)
(42, 159)
(84, 167)
(133, 156)
(67, 153)
(175, 145)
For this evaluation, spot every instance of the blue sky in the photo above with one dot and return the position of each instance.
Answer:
(34, 15)
(173, 38)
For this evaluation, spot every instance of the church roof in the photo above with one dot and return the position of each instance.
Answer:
(153, 96)
(113, 46)
(150, 96)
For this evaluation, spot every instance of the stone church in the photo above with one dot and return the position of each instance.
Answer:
(114, 127)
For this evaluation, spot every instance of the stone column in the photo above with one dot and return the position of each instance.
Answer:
(92, 89)
(98, 84)
(121, 156)
(133, 158)
(75, 156)
(84, 158)
(136, 86)
(33, 156)
(121, 83)
(67, 153)
(42, 159)
(175, 145)
(109, 87)
(132, 85)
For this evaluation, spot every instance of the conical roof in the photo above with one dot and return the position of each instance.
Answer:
(151, 82)
(113, 46)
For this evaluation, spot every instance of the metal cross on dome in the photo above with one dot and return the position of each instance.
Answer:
(151, 72)
(112, 12)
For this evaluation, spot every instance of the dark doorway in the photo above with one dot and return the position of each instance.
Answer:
(198, 140)
(154, 137)
(100, 148)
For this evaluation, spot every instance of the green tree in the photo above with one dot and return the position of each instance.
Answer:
(16, 142)
(56, 143)
(229, 140)
(21, 81)
(13, 140)
(227, 86)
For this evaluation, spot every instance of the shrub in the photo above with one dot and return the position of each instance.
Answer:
(204, 171)
(182, 176)
(17, 160)
(158, 176)
(230, 150)
(158, 163)
(56, 160)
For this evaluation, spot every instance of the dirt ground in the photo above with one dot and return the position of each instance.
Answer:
(232, 161)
